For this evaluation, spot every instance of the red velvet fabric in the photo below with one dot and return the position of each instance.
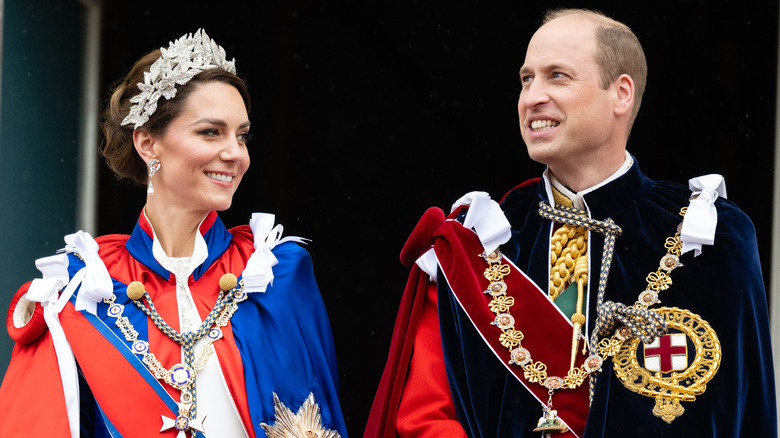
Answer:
(544, 327)
(384, 411)
(414, 398)
(421, 239)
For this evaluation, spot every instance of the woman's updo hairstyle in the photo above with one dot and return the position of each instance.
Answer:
(119, 151)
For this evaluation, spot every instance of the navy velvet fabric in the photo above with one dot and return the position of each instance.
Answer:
(723, 285)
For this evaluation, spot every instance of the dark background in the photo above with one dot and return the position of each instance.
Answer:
(366, 113)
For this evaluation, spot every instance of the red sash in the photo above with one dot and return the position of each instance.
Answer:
(547, 331)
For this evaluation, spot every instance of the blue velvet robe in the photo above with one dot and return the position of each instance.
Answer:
(723, 285)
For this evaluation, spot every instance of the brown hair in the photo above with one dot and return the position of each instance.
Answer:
(119, 151)
(618, 51)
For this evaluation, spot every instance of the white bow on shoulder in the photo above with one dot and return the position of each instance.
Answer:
(701, 218)
(95, 284)
(258, 273)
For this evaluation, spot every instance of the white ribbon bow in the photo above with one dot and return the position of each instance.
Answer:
(96, 284)
(258, 273)
(45, 291)
(702, 217)
(486, 218)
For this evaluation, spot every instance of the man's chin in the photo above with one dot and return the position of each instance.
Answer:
(542, 153)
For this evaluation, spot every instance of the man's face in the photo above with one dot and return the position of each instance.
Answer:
(566, 118)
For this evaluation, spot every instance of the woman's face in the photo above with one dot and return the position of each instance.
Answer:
(203, 153)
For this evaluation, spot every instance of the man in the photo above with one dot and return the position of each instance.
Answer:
(595, 301)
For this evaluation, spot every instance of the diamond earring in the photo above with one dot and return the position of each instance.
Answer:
(154, 166)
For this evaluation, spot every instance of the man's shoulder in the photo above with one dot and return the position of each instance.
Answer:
(735, 232)
(680, 194)
(528, 188)
(522, 198)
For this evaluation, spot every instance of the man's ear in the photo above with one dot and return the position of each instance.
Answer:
(144, 141)
(624, 95)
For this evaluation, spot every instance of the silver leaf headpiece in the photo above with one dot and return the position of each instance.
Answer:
(180, 62)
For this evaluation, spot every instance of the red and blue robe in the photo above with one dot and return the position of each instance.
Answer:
(278, 341)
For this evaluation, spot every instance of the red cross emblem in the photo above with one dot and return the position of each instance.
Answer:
(667, 353)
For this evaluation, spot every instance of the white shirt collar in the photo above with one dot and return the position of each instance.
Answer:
(577, 198)
(199, 252)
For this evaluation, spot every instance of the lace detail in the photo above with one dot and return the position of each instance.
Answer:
(188, 315)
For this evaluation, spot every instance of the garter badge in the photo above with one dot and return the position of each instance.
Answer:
(675, 367)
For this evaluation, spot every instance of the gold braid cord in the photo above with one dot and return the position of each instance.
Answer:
(568, 246)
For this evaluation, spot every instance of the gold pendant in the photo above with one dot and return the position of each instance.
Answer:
(666, 373)
(549, 422)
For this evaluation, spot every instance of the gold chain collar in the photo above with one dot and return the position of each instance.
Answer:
(180, 376)
(536, 371)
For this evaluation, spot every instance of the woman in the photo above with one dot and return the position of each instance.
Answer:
(183, 328)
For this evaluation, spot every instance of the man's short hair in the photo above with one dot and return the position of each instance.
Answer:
(618, 51)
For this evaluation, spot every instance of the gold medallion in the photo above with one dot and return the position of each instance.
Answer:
(666, 371)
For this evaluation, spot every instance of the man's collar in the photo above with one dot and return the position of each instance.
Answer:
(577, 198)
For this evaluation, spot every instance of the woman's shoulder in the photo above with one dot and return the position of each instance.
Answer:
(111, 242)
(112, 247)
(243, 239)
(295, 259)
(242, 234)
